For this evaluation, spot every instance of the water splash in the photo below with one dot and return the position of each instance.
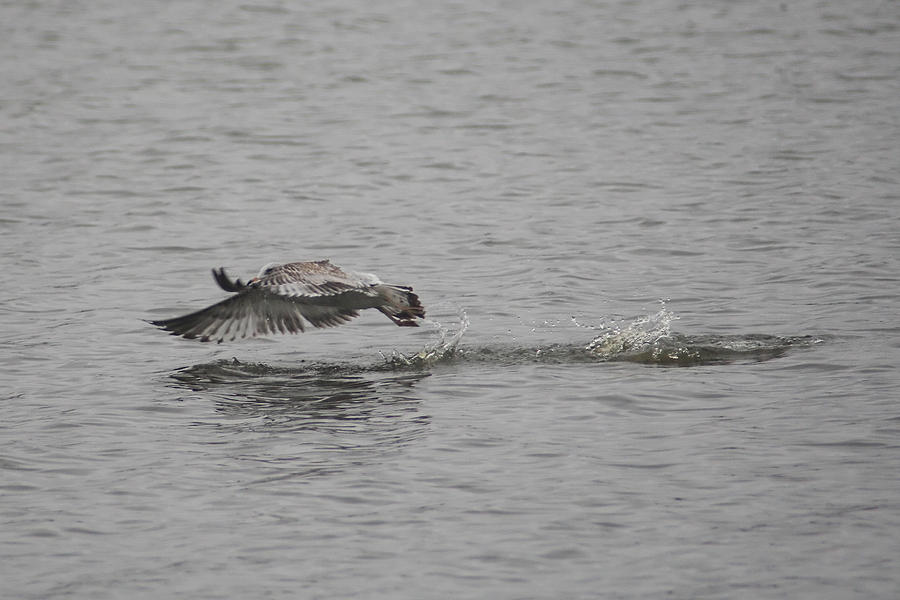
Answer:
(638, 336)
(444, 347)
(650, 340)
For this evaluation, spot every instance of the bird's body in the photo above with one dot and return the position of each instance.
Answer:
(284, 298)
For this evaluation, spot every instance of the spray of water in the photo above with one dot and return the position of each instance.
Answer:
(444, 347)
(634, 337)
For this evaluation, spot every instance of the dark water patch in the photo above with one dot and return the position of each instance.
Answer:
(307, 380)
(337, 398)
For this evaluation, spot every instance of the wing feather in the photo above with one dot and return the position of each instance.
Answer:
(314, 279)
(255, 311)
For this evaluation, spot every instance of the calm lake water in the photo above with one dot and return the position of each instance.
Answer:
(659, 245)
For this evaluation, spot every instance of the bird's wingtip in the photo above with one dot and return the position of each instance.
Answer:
(225, 282)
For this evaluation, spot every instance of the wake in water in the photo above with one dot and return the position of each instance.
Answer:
(646, 340)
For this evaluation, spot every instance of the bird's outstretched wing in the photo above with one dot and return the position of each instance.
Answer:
(261, 310)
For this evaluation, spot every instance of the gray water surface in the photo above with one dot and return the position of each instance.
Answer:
(659, 246)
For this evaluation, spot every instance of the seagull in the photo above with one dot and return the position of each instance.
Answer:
(284, 298)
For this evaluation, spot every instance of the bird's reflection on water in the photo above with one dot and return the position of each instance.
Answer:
(308, 419)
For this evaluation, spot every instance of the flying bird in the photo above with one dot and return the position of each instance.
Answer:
(285, 298)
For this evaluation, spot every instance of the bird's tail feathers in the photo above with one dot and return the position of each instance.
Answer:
(401, 306)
